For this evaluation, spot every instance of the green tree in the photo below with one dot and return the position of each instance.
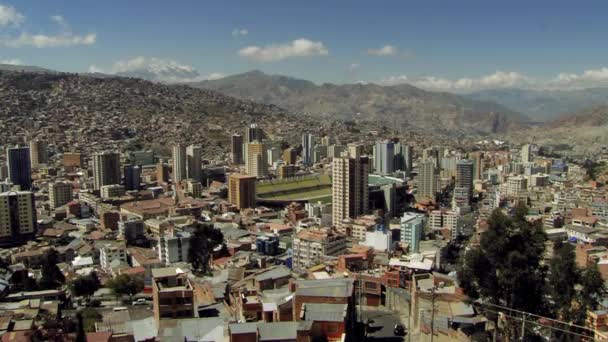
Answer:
(125, 284)
(85, 285)
(52, 277)
(563, 277)
(593, 287)
(506, 267)
(202, 242)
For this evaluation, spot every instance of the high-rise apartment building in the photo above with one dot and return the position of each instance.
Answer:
(241, 190)
(236, 148)
(17, 217)
(274, 154)
(179, 163)
(162, 173)
(19, 167)
(194, 155)
(307, 146)
(427, 180)
(526, 153)
(477, 158)
(464, 174)
(194, 188)
(254, 133)
(39, 153)
(290, 156)
(60, 193)
(106, 169)
(412, 230)
(256, 162)
(72, 161)
(384, 157)
(132, 177)
(350, 194)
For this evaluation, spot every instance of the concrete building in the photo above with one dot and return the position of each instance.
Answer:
(112, 253)
(194, 155)
(141, 157)
(173, 247)
(19, 167)
(273, 155)
(39, 153)
(256, 162)
(478, 164)
(445, 219)
(179, 159)
(72, 161)
(350, 196)
(132, 177)
(427, 180)
(17, 217)
(106, 169)
(311, 245)
(131, 228)
(236, 149)
(380, 239)
(307, 146)
(335, 151)
(172, 293)
(384, 157)
(526, 153)
(162, 173)
(290, 156)
(60, 193)
(465, 174)
(241, 190)
(412, 230)
(112, 190)
(253, 133)
(516, 185)
(194, 188)
(319, 153)
(286, 171)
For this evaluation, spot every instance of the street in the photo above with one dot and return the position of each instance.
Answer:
(383, 324)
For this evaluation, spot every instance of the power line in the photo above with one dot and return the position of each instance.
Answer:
(537, 323)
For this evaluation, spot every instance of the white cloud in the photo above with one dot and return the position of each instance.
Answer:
(95, 69)
(386, 50)
(61, 22)
(354, 67)
(215, 76)
(9, 16)
(155, 69)
(499, 79)
(240, 32)
(47, 41)
(271, 53)
(11, 61)
(586, 79)
(63, 39)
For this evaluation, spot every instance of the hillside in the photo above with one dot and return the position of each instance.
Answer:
(87, 112)
(401, 105)
(591, 117)
(24, 68)
(544, 105)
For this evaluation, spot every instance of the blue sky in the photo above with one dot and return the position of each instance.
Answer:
(445, 45)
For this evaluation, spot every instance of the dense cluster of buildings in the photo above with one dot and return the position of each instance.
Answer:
(352, 224)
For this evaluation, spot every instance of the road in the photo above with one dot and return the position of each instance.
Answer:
(384, 323)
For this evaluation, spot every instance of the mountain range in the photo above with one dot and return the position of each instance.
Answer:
(401, 105)
(545, 105)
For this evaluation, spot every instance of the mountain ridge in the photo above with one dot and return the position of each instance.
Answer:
(403, 105)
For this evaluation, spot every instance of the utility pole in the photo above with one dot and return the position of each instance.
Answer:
(523, 327)
(433, 289)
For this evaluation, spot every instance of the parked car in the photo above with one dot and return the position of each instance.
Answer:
(399, 329)
(140, 301)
